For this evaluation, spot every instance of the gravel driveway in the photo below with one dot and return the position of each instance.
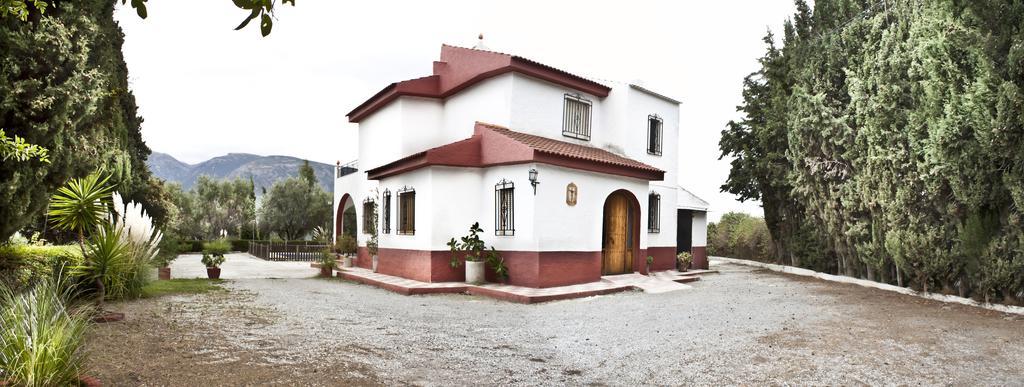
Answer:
(241, 266)
(743, 326)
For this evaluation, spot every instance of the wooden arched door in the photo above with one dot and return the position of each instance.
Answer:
(617, 244)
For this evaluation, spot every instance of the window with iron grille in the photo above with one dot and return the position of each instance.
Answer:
(654, 133)
(386, 220)
(406, 211)
(653, 212)
(576, 117)
(504, 208)
(369, 216)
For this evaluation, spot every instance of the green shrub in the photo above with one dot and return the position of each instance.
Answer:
(239, 245)
(739, 235)
(217, 248)
(346, 244)
(41, 340)
(328, 259)
(22, 265)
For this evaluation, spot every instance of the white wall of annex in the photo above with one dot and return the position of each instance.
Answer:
(700, 229)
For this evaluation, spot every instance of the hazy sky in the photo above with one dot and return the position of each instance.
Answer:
(205, 90)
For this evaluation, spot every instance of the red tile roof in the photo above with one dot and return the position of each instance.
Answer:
(460, 68)
(567, 149)
(493, 145)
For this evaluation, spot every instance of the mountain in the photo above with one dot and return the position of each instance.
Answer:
(264, 170)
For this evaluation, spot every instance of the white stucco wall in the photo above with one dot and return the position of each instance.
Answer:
(449, 200)
(537, 108)
(700, 229)
(560, 227)
(487, 101)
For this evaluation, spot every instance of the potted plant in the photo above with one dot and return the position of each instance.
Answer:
(213, 263)
(169, 248)
(328, 262)
(213, 256)
(650, 260)
(476, 255)
(346, 246)
(684, 259)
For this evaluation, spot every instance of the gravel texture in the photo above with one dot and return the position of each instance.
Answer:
(742, 326)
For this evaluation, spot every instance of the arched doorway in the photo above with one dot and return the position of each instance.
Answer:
(620, 233)
(345, 219)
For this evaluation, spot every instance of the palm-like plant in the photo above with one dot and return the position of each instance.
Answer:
(81, 205)
(105, 258)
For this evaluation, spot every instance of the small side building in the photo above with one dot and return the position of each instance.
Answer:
(692, 227)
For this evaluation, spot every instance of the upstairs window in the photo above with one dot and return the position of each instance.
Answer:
(654, 133)
(654, 212)
(386, 224)
(576, 117)
(369, 216)
(504, 208)
(406, 211)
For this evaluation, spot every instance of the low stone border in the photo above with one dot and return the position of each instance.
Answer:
(877, 285)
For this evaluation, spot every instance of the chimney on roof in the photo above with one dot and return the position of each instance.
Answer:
(480, 43)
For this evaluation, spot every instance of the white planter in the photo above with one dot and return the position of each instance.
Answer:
(346, 261)
(475, 272)
(375, 259)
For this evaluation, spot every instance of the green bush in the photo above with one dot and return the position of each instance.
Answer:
(217, 248)
(239, 245)
(41, 340)
(742, 236)
(346, 245)
(22, 265)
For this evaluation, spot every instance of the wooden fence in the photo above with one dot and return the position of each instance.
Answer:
(286, 252)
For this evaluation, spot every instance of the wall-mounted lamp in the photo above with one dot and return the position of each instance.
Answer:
(533, 179)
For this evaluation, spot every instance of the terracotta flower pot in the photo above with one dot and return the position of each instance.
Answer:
(165, 273)
(105, 317)
(89, 381)
(326, 271)
(213, 272)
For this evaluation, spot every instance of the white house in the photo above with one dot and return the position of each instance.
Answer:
(571, 179)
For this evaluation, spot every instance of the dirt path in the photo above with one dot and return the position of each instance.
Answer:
(743, 326)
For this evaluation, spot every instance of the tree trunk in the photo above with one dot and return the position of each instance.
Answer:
(899, 277)
(102, 294)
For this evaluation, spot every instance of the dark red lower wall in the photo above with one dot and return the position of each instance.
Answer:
(664, 258)
(536, 269)
(700, 257)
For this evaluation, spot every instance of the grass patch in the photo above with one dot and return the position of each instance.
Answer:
(181, 286)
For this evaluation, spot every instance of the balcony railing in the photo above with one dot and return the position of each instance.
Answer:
(346, 169)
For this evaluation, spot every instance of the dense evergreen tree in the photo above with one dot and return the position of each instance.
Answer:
(885, 140)
(64, 87)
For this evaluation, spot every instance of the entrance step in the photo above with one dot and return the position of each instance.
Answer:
(649, 284)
